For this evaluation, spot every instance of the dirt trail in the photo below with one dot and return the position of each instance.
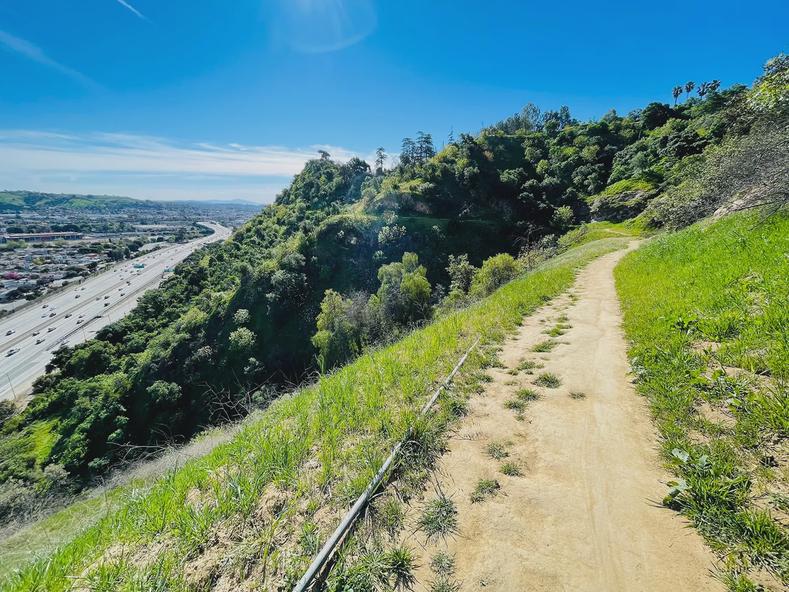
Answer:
(585, 514)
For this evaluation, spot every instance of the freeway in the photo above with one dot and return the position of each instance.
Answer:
(29, 336)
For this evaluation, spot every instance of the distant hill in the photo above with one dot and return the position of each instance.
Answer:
(28, 200)
(22, 200)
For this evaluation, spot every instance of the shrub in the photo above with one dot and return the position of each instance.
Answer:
(494, 273)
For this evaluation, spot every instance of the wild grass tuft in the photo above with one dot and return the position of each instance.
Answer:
(439, 517)
(577, 395)
(511, 469)
(545, 346)
(497, 451)
(484, 489)
(443, 564)
(548, 380)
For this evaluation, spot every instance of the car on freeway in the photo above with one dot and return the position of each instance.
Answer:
(10, 332)
(50, 329)
(76, 295)
(79, 321)
(11, 352)
(38, 341)
(106, 304)
(68, 315)
(36, 333)
(52, 314)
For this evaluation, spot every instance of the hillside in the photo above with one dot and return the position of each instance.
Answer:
(20, 200)
(425, 256)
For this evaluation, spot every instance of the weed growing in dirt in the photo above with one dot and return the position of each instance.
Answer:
(443, 564)
(484, 489)
(439, 517)
(515, 405)
(528, 366)
(527, 395)
(511, 469)
(548, 380)
(577, 395)
(444, 584)
(545, 346)
(497, 451)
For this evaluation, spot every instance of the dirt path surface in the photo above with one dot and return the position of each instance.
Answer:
(584, 514)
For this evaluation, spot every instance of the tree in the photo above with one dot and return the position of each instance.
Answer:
(424, 147)
(324, 155)
(241, 340)
(404, 294)
(335, 339)
(461, 272)
(676, 93)
(380, 159)
(563, 217)
(495, 272)
(407, 152)
(689, 86)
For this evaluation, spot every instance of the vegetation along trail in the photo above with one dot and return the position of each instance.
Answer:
(554, 474)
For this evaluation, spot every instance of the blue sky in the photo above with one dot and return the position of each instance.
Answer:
(223, 99)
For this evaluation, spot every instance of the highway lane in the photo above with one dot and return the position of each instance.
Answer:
(30, 335)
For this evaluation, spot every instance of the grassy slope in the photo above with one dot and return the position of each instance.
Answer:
(707, 311)
(282, 483)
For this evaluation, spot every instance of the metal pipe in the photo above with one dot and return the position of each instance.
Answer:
(329, 547)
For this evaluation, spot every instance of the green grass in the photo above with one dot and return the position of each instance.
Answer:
(725, 283)
(439, 518)
(593, 231)
(314, 450)
(548, 380)
(527, 366)
(545, 346)
(497, 451)
(511, 469)
(484, 489)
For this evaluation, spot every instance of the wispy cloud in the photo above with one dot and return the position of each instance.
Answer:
(36, 54)
(148, 166)
(321, 26)
(133, 10)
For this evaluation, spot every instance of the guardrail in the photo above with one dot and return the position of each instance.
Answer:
(350, 518)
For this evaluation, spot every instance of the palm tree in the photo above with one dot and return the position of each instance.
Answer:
(689, 86)
(676, 93)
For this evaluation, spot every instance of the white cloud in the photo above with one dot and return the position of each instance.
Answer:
(36, 54)
(133, 10)
(138, 165)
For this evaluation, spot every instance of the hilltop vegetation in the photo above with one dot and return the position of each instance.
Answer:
(351, 255)
(20, 200)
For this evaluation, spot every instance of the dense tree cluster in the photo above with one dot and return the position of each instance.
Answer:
(349, 255)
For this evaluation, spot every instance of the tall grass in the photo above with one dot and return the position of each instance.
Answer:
(707, 312)
(307, 457)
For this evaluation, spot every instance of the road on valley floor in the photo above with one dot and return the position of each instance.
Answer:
(29, 336)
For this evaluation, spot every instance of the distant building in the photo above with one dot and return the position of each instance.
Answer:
(36, 237)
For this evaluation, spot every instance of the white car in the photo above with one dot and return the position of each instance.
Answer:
(10, 332)
(11, 352)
